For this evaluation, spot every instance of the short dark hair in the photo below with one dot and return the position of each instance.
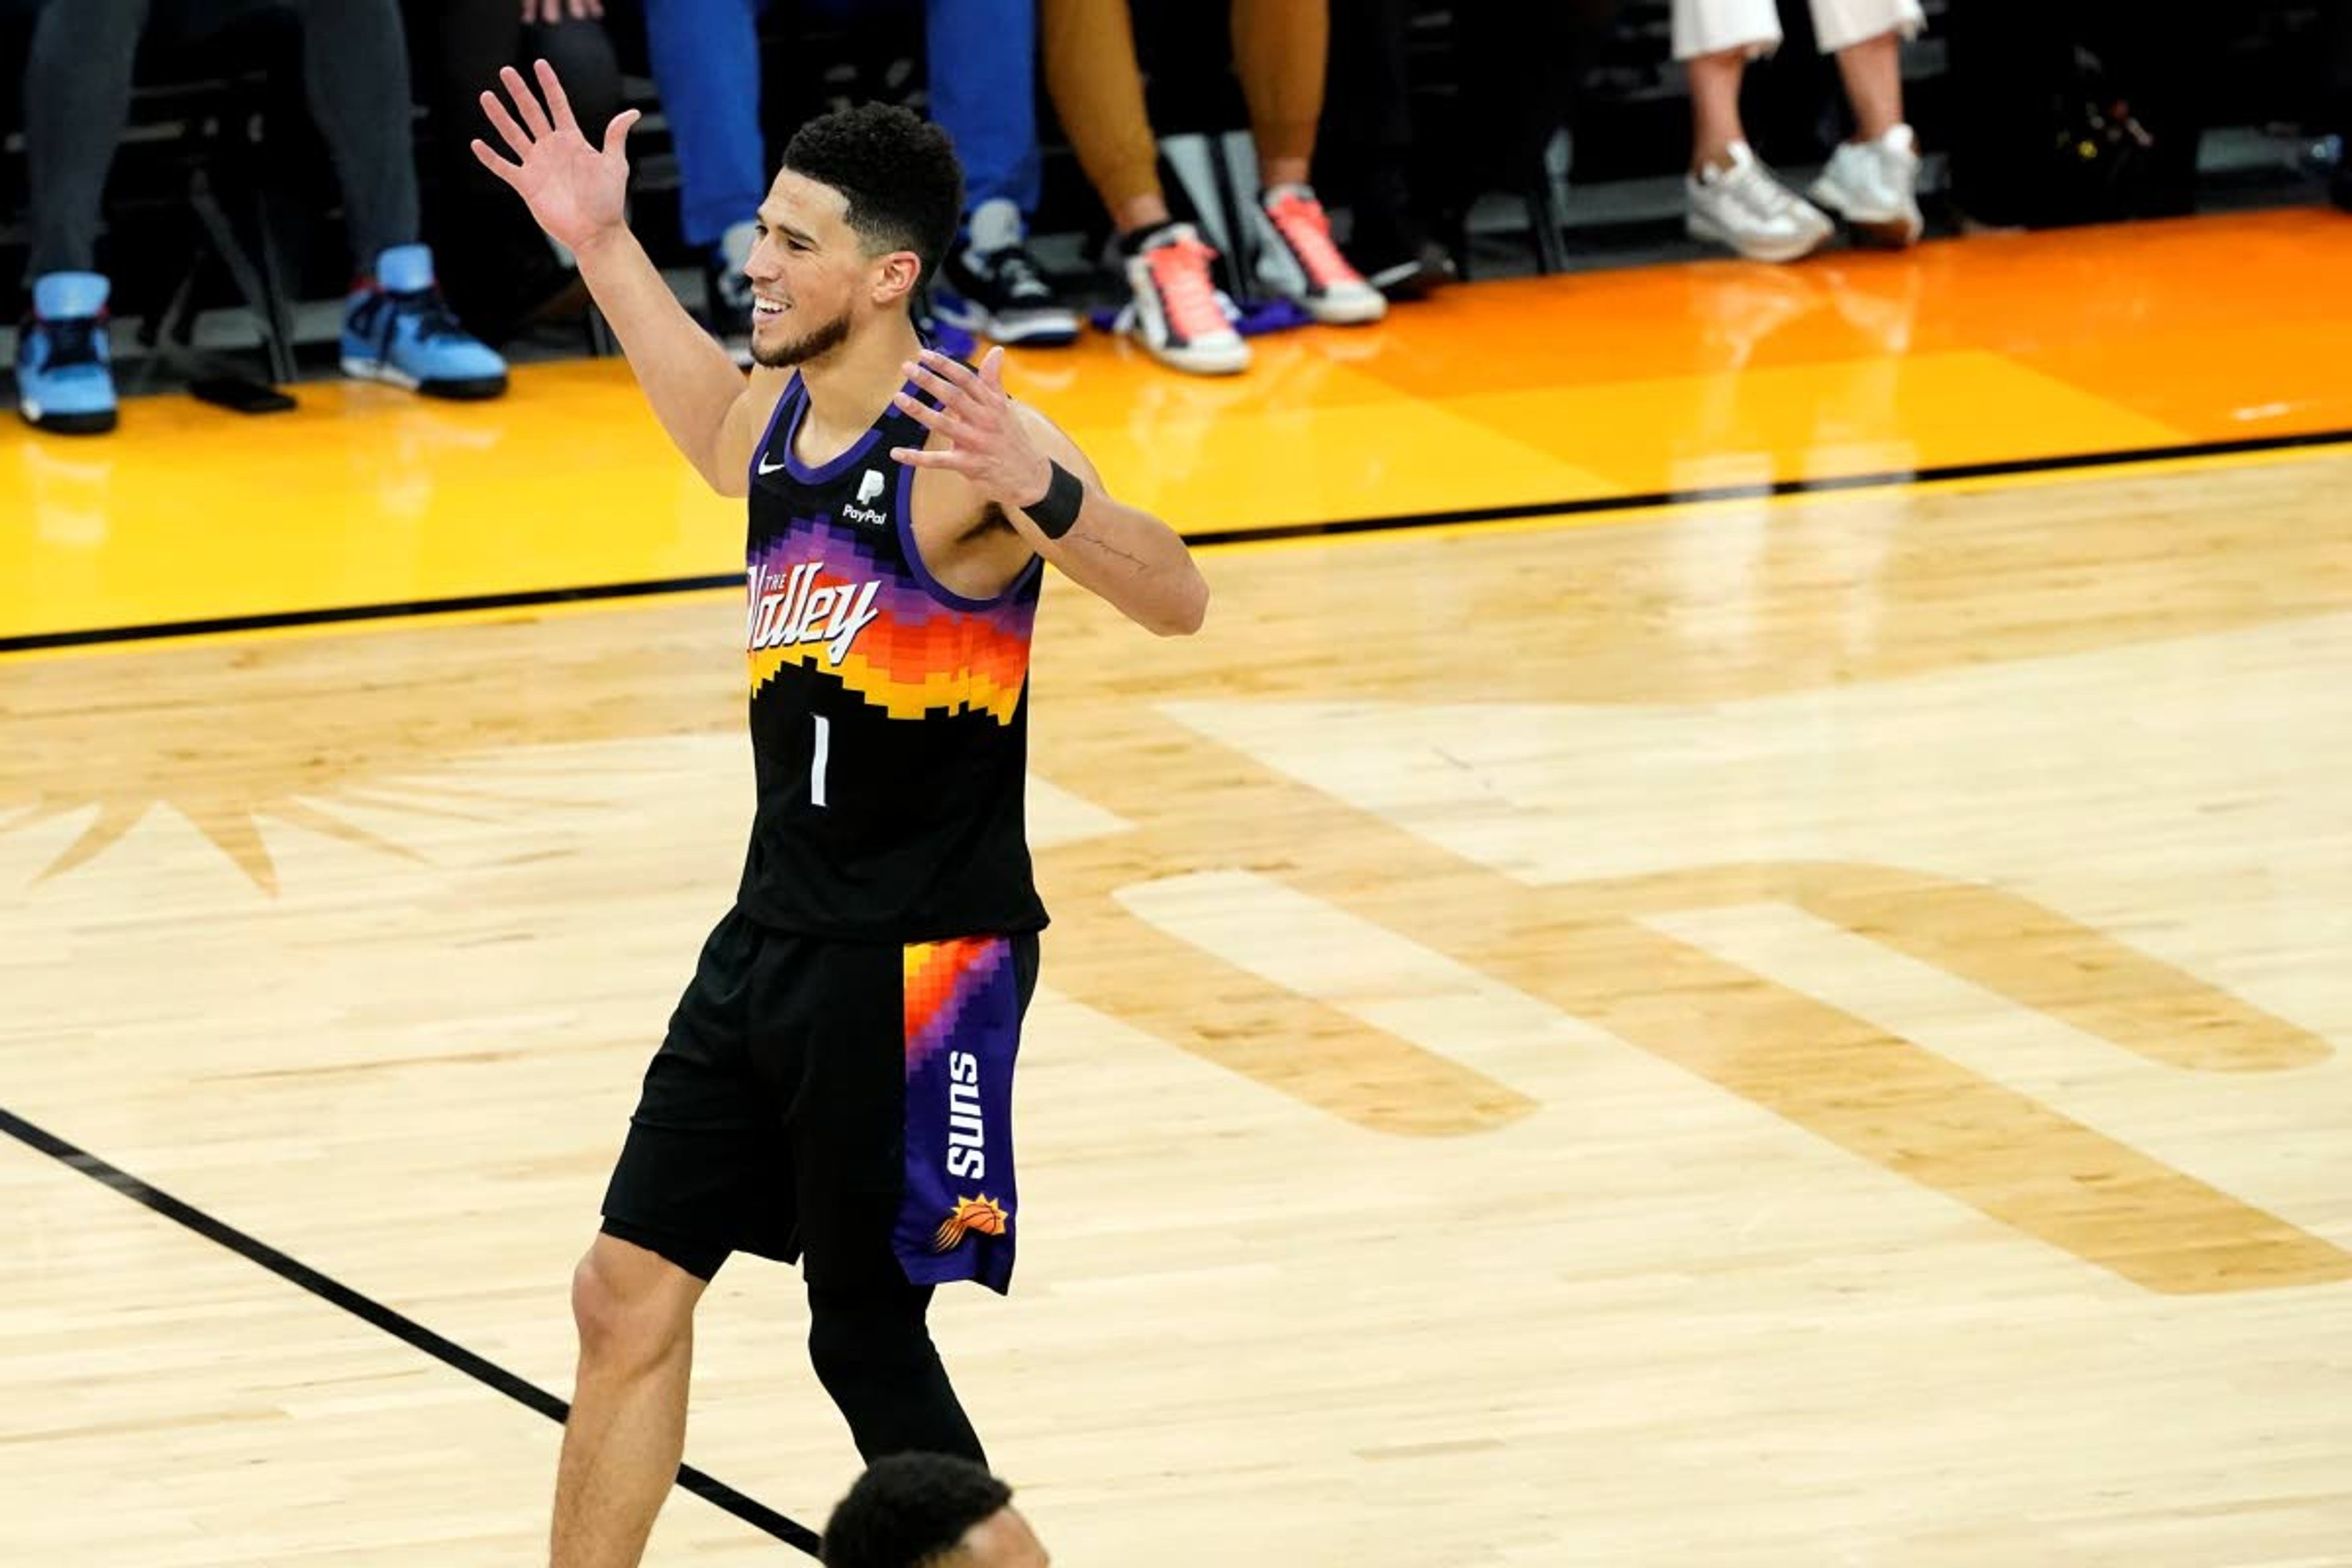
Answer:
(898, 171)
(909, 1510)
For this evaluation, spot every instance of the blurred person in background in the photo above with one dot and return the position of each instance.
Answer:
(1280, 51)
(2008, 57)
(1520, 72)
(930, 1510)
(1365, 159)
(396, 326)
(982, 83)
(2081, 110)
(498, 271)
(1872, 179)
(2340, 103)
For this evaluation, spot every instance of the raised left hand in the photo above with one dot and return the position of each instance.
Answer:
(981, 434)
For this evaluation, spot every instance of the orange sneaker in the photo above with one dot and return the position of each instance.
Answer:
(1177, 313)
(1298, 260)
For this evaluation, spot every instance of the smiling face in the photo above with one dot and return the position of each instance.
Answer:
(813, 278)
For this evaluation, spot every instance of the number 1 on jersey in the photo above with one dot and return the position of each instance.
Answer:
(817, 759)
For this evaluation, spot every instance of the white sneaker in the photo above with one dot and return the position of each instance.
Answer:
(1743, 206)
(1298, 260)
(1874, 187)
(1176, 312)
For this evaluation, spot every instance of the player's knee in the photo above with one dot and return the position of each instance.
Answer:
(853, 1352)
(629, 1314)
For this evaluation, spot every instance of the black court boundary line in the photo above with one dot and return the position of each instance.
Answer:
(758, 1515)
(1586, 505)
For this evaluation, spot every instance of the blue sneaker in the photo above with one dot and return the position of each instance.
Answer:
(398, 330)
(65, 382)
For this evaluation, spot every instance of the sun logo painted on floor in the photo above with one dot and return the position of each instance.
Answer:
(308, 742)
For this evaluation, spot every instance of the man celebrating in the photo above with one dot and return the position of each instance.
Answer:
(835, 1084)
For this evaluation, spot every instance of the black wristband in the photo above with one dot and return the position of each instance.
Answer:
(1056, 511)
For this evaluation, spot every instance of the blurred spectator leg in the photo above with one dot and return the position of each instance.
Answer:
(497, 269)
(356, 79)
(2008, 61)
(1366, 151)
(582, 51)
(983, 87)
(396, 326)
(1175, 312)
(2340, 103)
(1519, 73)
(1872, 177)
(1281, 52)
(1715, 82)
(76, 102)
(1735, 200)
(1872, 72)
(1280, 49)
(706, 61)
(1097, 90)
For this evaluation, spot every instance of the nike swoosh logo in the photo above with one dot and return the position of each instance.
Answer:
(768, 467)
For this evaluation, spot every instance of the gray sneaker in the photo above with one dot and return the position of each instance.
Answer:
(1743, 206)
(1874, 187)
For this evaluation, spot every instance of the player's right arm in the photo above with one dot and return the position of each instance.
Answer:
(578, 194)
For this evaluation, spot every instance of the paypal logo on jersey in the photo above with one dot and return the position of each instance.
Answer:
(861, 510)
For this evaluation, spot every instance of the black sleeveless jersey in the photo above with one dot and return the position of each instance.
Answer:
(889, 715)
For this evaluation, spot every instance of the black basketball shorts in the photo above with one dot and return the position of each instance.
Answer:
(848, 1105)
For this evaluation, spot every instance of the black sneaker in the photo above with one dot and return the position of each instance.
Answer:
(1395, 253)
(727, 298)
(1002, 296)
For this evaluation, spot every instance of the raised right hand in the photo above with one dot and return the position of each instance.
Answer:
(575, 190)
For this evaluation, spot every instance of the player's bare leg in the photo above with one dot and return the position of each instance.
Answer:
(628, 1428)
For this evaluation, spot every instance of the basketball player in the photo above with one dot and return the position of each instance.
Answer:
(834, 1085)
(930, 1510)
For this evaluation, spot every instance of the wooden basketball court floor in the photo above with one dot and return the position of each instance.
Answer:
(1751, 963)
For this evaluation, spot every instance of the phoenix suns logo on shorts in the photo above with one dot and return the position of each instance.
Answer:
(982, 1216)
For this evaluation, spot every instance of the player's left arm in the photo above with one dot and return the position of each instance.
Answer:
(1011, 455)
